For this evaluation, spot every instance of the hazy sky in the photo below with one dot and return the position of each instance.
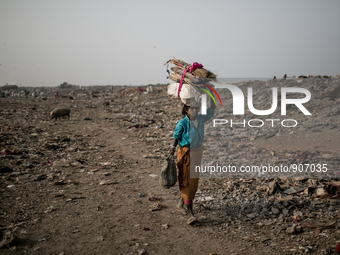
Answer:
(84, 42)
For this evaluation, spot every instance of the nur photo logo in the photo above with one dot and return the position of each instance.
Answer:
(238, 104)
(238, 99)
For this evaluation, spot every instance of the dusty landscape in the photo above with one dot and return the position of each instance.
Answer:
(89, 184)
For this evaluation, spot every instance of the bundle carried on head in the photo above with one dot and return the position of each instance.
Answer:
(195, 70)
(183, 74)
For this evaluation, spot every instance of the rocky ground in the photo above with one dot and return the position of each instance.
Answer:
(89, 185)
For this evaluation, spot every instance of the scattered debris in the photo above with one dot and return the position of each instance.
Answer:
(41, 162)
(107, 182)
(6, 237)
(155, 199)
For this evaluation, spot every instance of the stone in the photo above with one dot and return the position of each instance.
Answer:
(108, 182)
(141, 252)
(297, 213)
(230, 187)
(275, 211)
(280, 219)
(251, 215)
(291, 230)
(285, 212)
(320, 192)
(272, 188)
(166, 226)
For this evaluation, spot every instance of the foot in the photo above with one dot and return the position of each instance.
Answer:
(192, 220)
(181, 210)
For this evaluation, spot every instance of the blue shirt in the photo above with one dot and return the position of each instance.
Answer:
(187, 134)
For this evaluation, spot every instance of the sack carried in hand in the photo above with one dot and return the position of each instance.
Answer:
(168, 176)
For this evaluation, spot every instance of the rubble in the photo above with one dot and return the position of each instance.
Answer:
(6, 237)
(46, 164)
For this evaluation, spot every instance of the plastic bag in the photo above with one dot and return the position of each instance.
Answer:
(187, 91)
(188, 94)
(168, 176)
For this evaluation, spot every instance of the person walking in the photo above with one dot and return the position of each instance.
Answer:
(189, 135)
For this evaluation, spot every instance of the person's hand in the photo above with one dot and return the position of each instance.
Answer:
(172, 150)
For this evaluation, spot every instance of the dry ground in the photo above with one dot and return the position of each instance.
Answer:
(53, 201)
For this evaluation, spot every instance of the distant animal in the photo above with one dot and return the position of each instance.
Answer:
(59, 112)
(285, 76)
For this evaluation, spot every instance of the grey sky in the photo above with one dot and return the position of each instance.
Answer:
(45, 43)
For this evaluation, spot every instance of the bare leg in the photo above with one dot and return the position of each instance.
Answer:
(190, 211)
(180, 206)
(192, 218)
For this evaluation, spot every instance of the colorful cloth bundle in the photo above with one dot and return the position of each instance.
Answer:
(182, 74)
